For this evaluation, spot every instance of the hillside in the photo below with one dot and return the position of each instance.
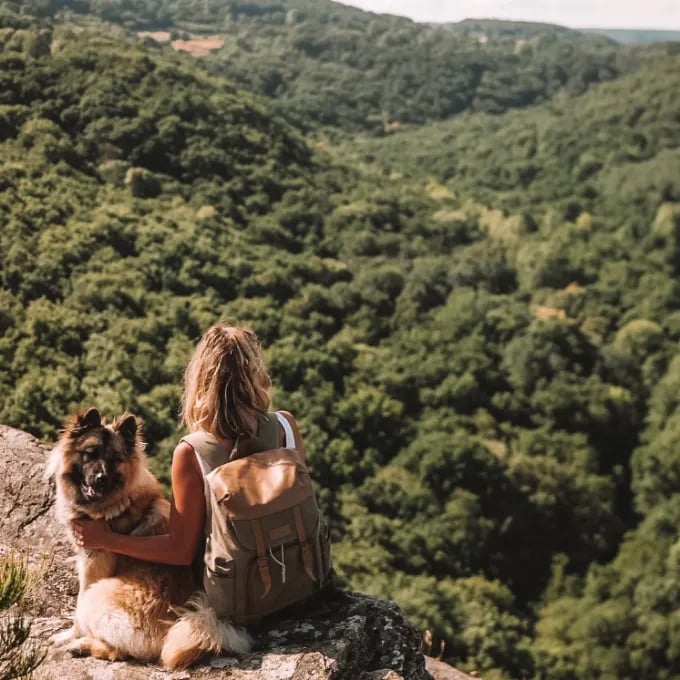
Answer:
(127, 186)
(586, 240)
(324, 64)
(614, 149)
(476, 322)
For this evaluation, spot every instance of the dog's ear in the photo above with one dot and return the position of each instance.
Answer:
(127, 427)
(83, 420)
(89, 418)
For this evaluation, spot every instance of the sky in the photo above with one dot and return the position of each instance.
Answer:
(650, 14)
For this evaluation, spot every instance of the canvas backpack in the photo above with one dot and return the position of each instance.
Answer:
(267, 545)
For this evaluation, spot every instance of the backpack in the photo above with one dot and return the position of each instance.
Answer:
(267, 545)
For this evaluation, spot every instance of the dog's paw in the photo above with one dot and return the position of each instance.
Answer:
(77, 648)
(62, 637)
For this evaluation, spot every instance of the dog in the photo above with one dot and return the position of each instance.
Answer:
(128, 608)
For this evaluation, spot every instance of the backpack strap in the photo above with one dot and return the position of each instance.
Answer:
(293, 438)
(307, 556)
(262, 561)
(291, 442)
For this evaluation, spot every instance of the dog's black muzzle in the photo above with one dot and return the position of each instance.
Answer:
(96, 484)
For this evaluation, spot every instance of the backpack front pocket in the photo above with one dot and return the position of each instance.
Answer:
(220, 587)
(280, 580)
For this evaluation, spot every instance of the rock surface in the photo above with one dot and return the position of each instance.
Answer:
(342, 636)
(442, 671)
(27, 522)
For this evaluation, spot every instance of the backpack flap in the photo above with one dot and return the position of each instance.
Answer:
(261, 484)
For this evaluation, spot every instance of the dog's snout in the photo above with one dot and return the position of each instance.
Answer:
(101, 478)
(98, 478)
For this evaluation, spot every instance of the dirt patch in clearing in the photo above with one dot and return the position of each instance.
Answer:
(541, 312)
(198, 47)
(158, 36)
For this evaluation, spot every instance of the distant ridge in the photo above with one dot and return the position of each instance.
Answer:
(635, 36)
(505, 25)
(501, 28)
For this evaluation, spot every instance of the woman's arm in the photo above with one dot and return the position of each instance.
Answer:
(187, 519)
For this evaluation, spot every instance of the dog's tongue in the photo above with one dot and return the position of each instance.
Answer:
(90, 492)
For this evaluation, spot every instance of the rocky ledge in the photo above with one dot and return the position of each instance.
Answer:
(342, 636)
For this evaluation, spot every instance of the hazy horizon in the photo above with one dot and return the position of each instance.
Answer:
(660, 15)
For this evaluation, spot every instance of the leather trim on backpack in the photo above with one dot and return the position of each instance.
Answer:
(262, 483)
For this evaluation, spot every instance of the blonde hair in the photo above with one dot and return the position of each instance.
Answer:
(226, 383)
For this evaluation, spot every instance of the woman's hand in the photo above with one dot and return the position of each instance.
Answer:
(92, 534)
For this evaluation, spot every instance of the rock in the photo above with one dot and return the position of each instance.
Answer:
(442, 671)
(341, 636)
(27, 523)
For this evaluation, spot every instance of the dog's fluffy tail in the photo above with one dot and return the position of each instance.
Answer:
(198, 631)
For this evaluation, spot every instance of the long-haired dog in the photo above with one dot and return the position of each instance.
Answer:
(127, 607)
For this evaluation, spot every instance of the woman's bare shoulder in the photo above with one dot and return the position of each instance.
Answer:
(184, 459)
(183, 449)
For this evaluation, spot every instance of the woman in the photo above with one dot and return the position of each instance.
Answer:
(227, 393)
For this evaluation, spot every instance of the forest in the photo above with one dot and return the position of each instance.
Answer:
(326, 65)
(474, 315)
